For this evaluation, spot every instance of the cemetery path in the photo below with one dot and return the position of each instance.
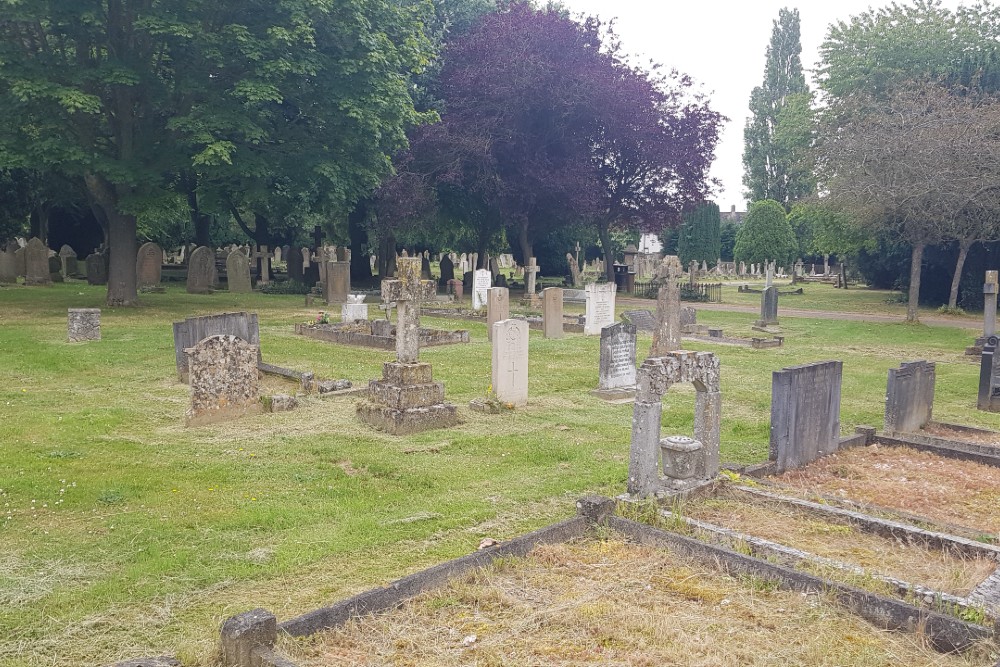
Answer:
(930, 320)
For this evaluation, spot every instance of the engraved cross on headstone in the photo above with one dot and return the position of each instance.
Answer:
(408, 291)
(265, 264)
(529, 275)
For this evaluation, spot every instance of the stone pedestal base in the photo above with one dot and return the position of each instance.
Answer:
(766, 327)
(406, 400)
(615, 396)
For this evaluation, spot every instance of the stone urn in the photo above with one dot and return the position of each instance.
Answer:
(680, 456)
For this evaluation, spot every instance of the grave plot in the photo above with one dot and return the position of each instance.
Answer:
(591, 602)
(379, 334)
(872, 560)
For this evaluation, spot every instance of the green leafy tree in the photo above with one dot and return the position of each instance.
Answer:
(699, 235)
(765, 235)
(779, 132)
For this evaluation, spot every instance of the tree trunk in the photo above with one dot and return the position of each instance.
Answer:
(527, 251)
(361, 267)
(604, 232)
(916, 258)
(122, 280)
(386, 256)
(40, 222)
(201, 222)
(963, 251)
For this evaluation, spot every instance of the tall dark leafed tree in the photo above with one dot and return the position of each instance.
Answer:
(778, 133)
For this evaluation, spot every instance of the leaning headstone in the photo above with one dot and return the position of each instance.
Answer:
(68, 260)
(201, 270)
(188, 332)
(768, 307)
(97, 269)
(552, 312)
(510, 362)
(8, 263)
(36, 263)
(805, 413)
(149, 264)
(355, 308)
(497, 308)
(600, 309)
(447, 271)
(406, 399)
(238, 272)
(616, 376)
(337, 286)
(83, 324)
(667, 334)
(482, 281)
(909, 397)
(224, 379)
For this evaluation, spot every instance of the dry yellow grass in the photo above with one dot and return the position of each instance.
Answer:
(612, 603)
(960, 492)
(831, 538)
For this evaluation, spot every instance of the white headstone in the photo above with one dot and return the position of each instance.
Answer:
(510, 361)
(600, 307)
(482, 281)
(354, 309)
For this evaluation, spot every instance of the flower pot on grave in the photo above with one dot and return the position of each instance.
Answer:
(680, 456)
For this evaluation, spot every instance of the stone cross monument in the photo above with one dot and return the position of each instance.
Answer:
(529, 278)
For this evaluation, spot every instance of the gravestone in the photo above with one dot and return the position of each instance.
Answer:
(688, 318)
(406, 399)
(337, 286)
(149, 265)
(510, 362)
(201, 271)
(642, 319)
(617, 369)
(68, 260)
(238, 272)
(494, 268)
(552, 312)
(482, 281)
(425, 267)
(529, 277)
(97, 269)
(224, 380)
(263, 255)
(36, 263)
(55, 269)
(278, 255)
(989, 377)
(686, 462)
(355, 308)
(8, 263)
(989, 313)
(497, 308)
(909, 397)
(20, 260)
(293, 262)
(574, 270)
(188, 332)
(600, 309)
(83, 324)
(667, 334)
(805, 413)
(447, 271)
(768, 307)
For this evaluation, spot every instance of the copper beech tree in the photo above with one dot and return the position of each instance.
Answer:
(917, 164)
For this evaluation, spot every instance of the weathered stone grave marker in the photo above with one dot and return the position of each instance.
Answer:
(805, 413)
(497, 308)
(667, 334)
(530, 272)
(642, 319)
(909, 397)
(188, 332)
(238, 272)
(83, 324)
(354, 309)
(97, 268)
(224, 379)
(510, 362)
(406, 399)
(616, 375)
(337, 284)
(8, 263)
(149, 265)
(263, 257)
(989, 377)
(36, 263)
(552, 312)
(768, 307)
(201, 271)
(600, 309)
(68, 261)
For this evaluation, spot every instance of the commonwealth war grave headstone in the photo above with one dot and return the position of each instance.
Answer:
(552, 312)
(510, 362)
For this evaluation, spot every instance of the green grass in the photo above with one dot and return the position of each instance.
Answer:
(125, 533)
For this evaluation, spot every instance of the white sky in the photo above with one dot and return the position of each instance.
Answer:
(721, 44)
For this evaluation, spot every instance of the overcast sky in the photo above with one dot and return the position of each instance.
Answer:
(721, 44)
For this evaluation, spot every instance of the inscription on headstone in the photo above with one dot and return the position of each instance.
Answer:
(510, 361)
(617, 369)
(600, 309)
(148, 265)
(201, 271)
(482, 281)
(805, 413)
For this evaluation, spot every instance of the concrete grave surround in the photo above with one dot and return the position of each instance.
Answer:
(188, 332)
(552, 312)
(8, 263)
(406, 399)
(482, 281)
(36, 263)
(909, 397)
(805, 413)
(83, 324)
(653, 379)
(354, 309)
(201, 271)
(149, 265)
(238, 272)
(667, 334)
(497, 307)
(337, 284)
(510, 362)
(97, 269)
(617, 369)
(224, 379)
(600, 309)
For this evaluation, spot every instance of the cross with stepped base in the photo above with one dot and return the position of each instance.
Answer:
(408, 291)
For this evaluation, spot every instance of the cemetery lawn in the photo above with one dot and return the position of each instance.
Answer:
(126, 534)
